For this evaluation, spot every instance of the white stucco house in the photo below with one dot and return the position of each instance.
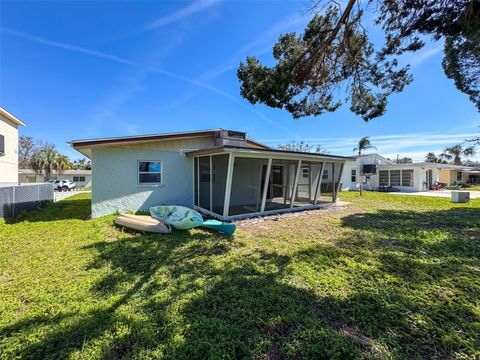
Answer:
(9, 125)
(81, 177)
(218, 172)
(374, 170)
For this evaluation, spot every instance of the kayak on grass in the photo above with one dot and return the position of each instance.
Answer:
(142, 223)
(226, 228)
(179, 217)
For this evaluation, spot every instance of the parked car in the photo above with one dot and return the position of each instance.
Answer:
(63, 185)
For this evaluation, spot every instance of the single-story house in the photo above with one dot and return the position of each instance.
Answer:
(218, 172)
(374, 170)
(81, 177)
(9, 147)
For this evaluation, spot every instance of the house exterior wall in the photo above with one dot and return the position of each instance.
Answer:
(9, 161)
(32, 178)
(115, 178)
(446, 176)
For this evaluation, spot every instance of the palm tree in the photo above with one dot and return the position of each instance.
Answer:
(456, 152)
(48, 159)
(364, 144)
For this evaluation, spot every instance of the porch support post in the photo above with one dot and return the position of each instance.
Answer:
(337, 186)
(228, 185)
(265, 185)
(319, 183)
(198, 181)
(295, 183)
(211, 183)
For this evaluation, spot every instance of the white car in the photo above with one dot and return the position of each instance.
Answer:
(63, 185)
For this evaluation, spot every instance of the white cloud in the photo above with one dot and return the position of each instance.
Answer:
(414, 145)
(181, 14)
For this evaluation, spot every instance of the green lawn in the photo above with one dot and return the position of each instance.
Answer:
(386, 277)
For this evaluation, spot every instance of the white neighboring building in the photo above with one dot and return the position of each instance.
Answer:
(79, 177)
(9, 147)
(374, 170)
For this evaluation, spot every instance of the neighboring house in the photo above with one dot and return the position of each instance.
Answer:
(219, 172)
(9, 147)
(373, 170)
(80, 177)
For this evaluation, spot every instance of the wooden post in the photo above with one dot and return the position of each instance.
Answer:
(265, 185)
(319, 183)
(295, 183)
(228, 185)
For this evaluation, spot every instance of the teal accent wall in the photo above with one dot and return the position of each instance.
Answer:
(115, 183)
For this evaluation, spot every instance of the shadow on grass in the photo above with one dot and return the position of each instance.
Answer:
(68, 209)
(186, 296)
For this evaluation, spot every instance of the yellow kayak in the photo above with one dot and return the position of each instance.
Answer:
(143, 223)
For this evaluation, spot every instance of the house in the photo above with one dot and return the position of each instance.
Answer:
(9, 147)
(373, 170)
(218, 172)
(81, 177)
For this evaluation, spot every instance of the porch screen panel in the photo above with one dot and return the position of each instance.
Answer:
(326, 187)
(204, 181)
(395, 178)
(195, 176)
(407, 177)
(336, 178)
(383, 177)
(246, 192)
(307, 183)
(219, 181)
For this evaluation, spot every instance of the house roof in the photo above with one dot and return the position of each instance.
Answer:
(434, 165)
(12, 118)
(83, 144)
(228, 149)
(65, 172)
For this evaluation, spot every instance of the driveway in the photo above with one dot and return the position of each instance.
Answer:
(440, 193)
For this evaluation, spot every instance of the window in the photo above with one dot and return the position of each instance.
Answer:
(149, 172)
(325, 174)
(354, 175)
(305, 172)
(395, 178)
(407, 177)
(2, 145)
(79, 178)
(383, 177)
(459, 176)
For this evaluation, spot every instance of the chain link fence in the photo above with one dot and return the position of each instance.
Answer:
(18, 198)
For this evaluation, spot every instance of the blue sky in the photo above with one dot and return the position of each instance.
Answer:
(75, 70)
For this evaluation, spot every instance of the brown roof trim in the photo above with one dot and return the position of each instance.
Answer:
(227, 148)
(259, 145)
(141, 138)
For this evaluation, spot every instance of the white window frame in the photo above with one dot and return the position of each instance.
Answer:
(161, 183)
(325, 175)
(353, 175)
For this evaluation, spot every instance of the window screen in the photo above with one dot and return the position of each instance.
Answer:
(395, 177)
(383, 177)
(354, 175)
(407, 177)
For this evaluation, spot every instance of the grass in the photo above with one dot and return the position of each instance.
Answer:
(388, 277)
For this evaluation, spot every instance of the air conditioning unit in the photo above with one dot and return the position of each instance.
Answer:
(460, 196)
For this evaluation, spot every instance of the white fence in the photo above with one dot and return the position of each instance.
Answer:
(17, 198)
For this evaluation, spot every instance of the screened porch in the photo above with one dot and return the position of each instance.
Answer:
(237, 184)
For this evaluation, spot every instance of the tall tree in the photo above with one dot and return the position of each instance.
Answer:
(26, 148)
(47, 159)
(334, 56)
(364, 144)
(303, 146)
(456, 152)
(82, 164)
